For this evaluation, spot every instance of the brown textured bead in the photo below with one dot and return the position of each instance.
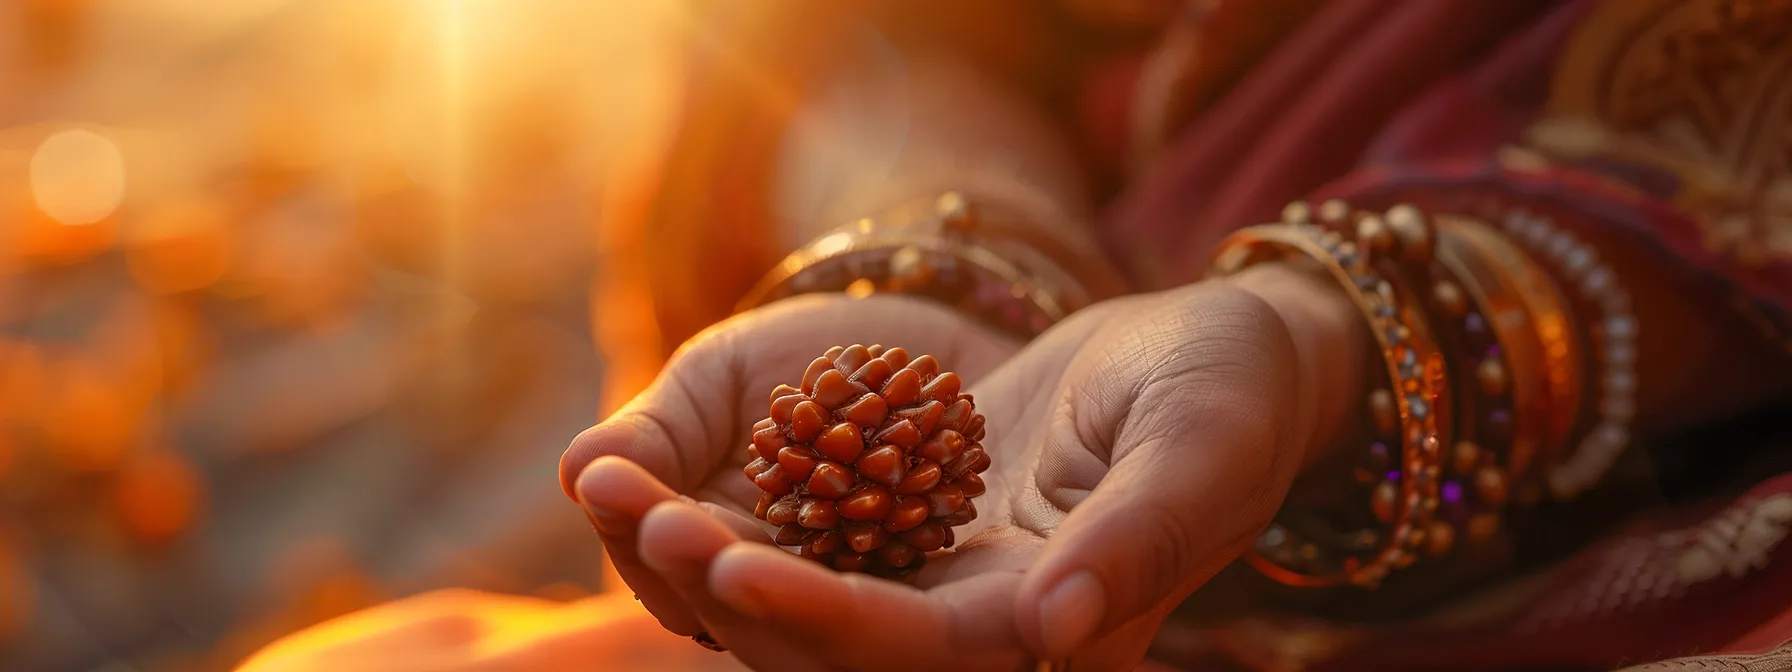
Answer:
(972, 485)
(866, 538)
(945, 445)
(956, 415)
(925, 365)
(965, 513)
(884, 464)
(798, 462)
(903, 434)
(924, 477)
(873, 374)
(897, 357)
(816, 368)
(927, 537)
(945, 499)
(841, 443)
(903, 388)
(943, 388)
(783, 406)
(867, 411)
(850, 359)
(832, 389)
(784, 511)
(830, 480)
(869, 503)
(906, 514)
(826, 542)
(778, 393)
(1384, 412)
(870, 462)
(769, 440)
(807, 421)
(924, 417)
(773, 481)
(818, 514)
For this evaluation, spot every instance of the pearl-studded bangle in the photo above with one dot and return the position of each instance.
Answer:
(1615, 346)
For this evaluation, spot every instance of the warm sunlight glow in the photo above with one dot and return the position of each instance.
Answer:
(77, 176)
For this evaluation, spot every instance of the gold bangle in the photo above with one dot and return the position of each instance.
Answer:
(1416, 371)
(952, 250)
(1534, 327)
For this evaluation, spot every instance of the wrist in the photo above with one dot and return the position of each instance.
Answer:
(1329, 337)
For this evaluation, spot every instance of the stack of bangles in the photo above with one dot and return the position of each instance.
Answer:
(1483, 397)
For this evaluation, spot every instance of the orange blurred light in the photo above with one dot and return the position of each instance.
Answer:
(158, 496)
(88, 419)
(180, 248)
(77, 176)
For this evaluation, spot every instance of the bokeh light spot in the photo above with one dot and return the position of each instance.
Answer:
(77, 176)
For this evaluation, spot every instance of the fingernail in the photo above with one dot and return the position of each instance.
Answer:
(1070, 612)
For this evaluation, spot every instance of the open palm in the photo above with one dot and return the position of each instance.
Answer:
(1146, 416)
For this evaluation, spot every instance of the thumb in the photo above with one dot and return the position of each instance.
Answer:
(677, 428)
(1193, 413)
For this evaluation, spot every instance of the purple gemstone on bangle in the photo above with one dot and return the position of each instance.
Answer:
(1452, 492)
(1393, 476)
(1493, 352)
(1474, 324)
(1455, 504)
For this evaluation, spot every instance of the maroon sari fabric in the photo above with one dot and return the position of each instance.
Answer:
(1413, 101)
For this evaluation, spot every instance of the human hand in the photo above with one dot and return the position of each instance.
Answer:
(1172, 424)
(689, 429)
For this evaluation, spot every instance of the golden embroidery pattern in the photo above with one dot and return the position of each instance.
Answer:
(1690, 98)
(1642, 571)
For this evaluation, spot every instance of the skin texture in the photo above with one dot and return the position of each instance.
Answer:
(1138, 448)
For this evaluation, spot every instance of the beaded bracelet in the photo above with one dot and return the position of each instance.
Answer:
(982, 262)
(1478, 330)
(1579, 266)
(1405, 502)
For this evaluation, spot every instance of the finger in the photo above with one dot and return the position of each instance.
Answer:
(741, 526)
(1194, 415)
(866, 623)
(680, 542)
(677, 429)
(616, 493)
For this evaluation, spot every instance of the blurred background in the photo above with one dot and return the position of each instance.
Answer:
(296, 306)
